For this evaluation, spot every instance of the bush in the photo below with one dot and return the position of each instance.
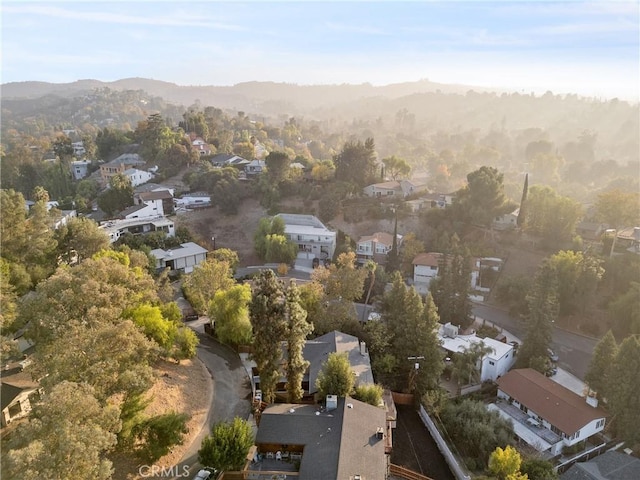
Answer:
(158, 434)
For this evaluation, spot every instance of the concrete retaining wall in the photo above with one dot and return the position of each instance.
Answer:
(457, 471)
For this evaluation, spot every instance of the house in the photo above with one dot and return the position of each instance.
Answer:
(119, 165)
(63, 218)
(255, 167)
(137, 225)
(78, 149)
(183, 258)
(425, 268)
(18, 393)
(194, 200)
(151, 187)
(137, 177)
(80, 169)
(508, 221)
(228, 160)
(200, 146)
(610, 465)
(314, 240)
(376, 247)
(590, 231)
(316, 351)
(384, 189)
(160, 201)
(347, 439)
(412, 187)
(492, 365)
(628, 239)
(545, 414)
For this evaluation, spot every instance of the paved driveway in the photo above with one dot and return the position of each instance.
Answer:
(231, 391)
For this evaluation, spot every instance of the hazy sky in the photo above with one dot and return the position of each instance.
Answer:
(589, 48)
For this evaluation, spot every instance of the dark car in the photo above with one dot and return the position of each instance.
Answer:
(190, 317)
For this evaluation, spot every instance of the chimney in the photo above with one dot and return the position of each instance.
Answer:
(332, 402)
(379, 433)
(363, 349)
(592, 401)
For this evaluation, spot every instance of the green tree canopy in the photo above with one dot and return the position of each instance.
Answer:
(396, 167)
(67, 436)
(229, 310)
(551, 216)
(118, 196)
(370, 393)
(209, 277)
(625, 311)
(80, 238)
(227, 446)
(356, 163)
(336, 376)
(504, 462)
(622, 395)
(297, 329)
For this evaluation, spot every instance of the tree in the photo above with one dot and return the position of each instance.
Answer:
(12, 225)
(280, 249)
(342, 279)
(625, 311)
(522, 213)
(538, 469)
(336, 376)
(411, 247)
(466, 363)
(356, 163)
(551, 216)
(267, 226)
(599, 372)
(185, 343)
(158, 434)
(226, 255)
(483, 198)
(66, 437)
(370, 267)
(268, 318)
(297, 329)
(412, 332)
(503, 463)
(277, 166)
(370, 393)
(543, 312)
(118, 196)
(622, 394)
(80, 238)
(229, 312)
(577, 276)
(475, 431)
(618, 209)
(201, 285)
(150, 320)
(227, 446)
(155, 137)
(396, 167)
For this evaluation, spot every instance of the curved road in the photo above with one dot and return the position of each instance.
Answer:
(231, 392)
(574, 351)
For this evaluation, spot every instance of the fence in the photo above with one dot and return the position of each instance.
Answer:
(442, 446)
(405, 473)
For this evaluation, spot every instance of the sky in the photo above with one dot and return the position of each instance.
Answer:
(588, 48)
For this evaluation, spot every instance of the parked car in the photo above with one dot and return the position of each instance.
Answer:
(552, 356)
(206, 473)
(551, 371)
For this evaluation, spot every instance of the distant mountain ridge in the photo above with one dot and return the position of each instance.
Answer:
(267, 97)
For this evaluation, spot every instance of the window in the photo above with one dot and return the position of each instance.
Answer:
(491, 362)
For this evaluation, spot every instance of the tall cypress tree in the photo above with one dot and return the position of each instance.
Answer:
(297, 329)
(522, 214)
(268, 319)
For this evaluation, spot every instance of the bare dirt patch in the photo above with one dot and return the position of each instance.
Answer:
(183, 387)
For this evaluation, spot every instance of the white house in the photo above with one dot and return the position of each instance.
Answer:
(545, 414)
(119, 165)
(200, 146)
(376, 247)
(78, 149)
(137, 177)
(255, 167)
(80, 168)
(194, 200)
(507, 221)
(138, 226)
(183, 258)
(425, 268)
(492, 365)
(18, 393)
(384, 189)
(313, 238)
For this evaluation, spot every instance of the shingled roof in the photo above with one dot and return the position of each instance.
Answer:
(556, 404)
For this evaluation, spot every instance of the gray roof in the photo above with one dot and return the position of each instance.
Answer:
(127, 159)
(339, 443)
(608, 466)
(184, 250)
(317, 350)
(131, 209)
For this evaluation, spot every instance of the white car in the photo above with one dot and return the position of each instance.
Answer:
(206, 474)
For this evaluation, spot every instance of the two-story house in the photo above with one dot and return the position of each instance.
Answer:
(545, 414)
(425, 268)
(376, 247)
(119, 165)
(314, 240)
(80, 169)
(182, 259)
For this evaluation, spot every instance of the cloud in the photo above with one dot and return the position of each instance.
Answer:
(352, 28)
(169, 19)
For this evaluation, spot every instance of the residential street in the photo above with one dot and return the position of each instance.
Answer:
(231, 389)
(574, 351)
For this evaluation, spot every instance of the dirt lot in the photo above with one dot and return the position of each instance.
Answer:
(179, 388)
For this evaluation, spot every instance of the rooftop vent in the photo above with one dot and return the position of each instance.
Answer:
(379, 433)
(332, 402)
